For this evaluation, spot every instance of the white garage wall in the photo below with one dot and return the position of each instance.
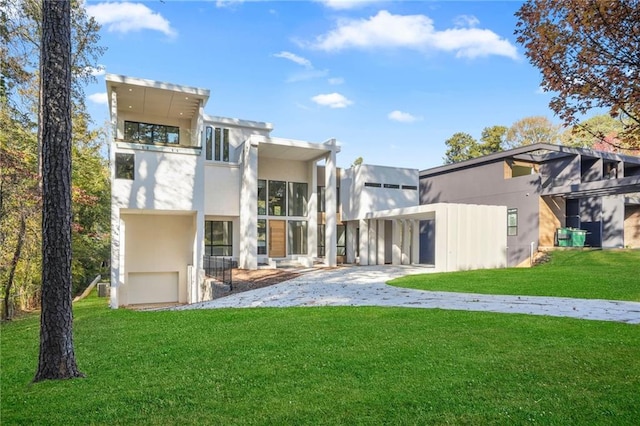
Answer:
(157, 243)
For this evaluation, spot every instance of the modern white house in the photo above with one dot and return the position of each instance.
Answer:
(186, 185)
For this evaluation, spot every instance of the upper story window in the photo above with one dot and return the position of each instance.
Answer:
(135, 131)
(125, 166)
(513, 169)
(217, 144)
(321, 194)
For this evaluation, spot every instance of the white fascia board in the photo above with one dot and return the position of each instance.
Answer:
(237, 122)
(134, 81)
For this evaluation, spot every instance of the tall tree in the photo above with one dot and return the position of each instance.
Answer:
(492, 139)
(532, 130)
(57, 356)
(589, 54)
(461, 146)
(594, 133)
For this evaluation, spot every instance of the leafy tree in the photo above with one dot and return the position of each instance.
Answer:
(57, 357)
(492, 139)
(532, 130)
(592, 132)
(357, 162)
(461, 146)
(588, 54)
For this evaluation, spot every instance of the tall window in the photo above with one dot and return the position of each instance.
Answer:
(297, 237)
(321, 240)
(225, 145)
(218, 238)
(262, 197)
(321, 198)
(262, 236)
(217, 144)
(277, 198)
(512, 222)
(151, 133)
(209, 143)
(342, 240)
(297, 199)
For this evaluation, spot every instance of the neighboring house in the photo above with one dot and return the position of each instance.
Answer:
(544, 187)
(186, 185)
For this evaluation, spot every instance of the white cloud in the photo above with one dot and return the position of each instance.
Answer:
(99, 98)
(228, 3)
(402, 117)
(413, 32)
(335, 81)
(346, 4)
(332, 100)
(127, 17)
(466, 21)
(295, 58)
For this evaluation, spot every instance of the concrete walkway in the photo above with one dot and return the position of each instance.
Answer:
(365, 286)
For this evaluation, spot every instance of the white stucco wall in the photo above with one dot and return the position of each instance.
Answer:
(357, 199)
(286, 170)
(222, 189)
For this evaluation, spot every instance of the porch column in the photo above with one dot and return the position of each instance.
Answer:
(406, 242)
(117, 255)
(373, 239)
(415, 242)
(248, 258)
(396, 238)
(380, 242)
(312, 211)
(364, 242)
(331, 201)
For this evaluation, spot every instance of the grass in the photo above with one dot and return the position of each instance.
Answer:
(594, 274)
(326, 366)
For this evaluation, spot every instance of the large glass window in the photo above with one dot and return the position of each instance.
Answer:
(342, 240)
(321, 240)
(225, 145)
(297, 199)
(262, 236)
(512, 222)
(297, 237)
(218, 238)
(262, 197)
(277, 198)
(217, 143)
(151, 133)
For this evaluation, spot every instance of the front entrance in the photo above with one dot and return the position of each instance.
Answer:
(277, 247)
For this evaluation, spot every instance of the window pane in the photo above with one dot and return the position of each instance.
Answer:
(321, 240)
(131, 131)
(512, 222)
(262, 196)
(342, 240)
(209, 143)
(218, 238)
(159, 134)
(297, 237)
(262, 236)
(321, 199)
(217, 144)
(125, 165)
(146, 133)
(277, 198)
(297, 199)
(173, 134)
(225, 145)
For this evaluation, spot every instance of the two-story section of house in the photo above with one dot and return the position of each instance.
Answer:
(545, 187)
(186, 184)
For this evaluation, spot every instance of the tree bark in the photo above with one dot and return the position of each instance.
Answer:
(57, 357)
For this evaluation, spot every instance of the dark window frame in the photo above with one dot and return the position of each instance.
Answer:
(227, 246)
(151, 134)
(512, 230)
(125, 166)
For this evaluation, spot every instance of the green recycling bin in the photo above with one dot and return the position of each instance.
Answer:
(563, 236)
(578, 237)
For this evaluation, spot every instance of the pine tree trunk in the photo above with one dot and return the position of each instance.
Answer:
(57, 357)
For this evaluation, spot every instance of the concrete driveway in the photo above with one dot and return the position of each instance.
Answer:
(365, 286)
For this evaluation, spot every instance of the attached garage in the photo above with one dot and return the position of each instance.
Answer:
(158, 249)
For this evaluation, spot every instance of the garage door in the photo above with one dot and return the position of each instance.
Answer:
(153, 287)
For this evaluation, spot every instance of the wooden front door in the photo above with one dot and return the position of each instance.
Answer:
(277, 246)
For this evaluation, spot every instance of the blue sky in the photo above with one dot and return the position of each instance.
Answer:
(390, 80)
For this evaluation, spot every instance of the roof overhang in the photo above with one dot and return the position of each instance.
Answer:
(625, 185)
(294, 150)
(155, 98)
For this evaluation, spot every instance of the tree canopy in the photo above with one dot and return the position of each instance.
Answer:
(589, 55)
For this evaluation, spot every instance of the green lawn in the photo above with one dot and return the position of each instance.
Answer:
(593, 274)
(326, 366)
